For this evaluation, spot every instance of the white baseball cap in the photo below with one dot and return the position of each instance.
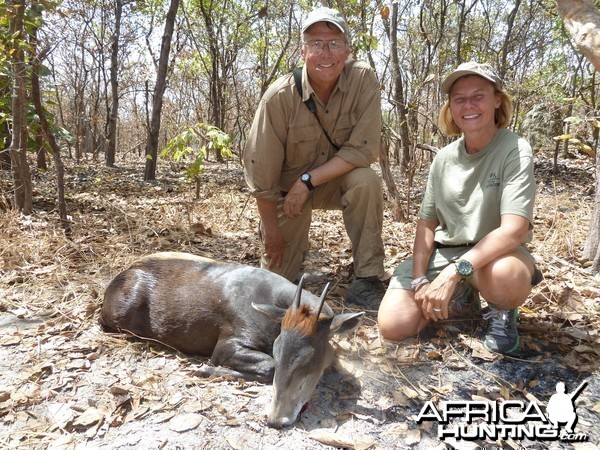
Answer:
(325, 15)
(471, 68)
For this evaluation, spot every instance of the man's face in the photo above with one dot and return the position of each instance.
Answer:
(324, 66)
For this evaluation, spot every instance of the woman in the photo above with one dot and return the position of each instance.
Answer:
(476, 216)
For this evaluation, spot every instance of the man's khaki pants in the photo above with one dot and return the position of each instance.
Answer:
(359, 195)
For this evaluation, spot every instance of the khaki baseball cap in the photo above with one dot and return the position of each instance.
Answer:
(325, 15)
(471, 68)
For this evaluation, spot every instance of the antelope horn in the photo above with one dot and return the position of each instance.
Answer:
(322, 299)
(298, 293)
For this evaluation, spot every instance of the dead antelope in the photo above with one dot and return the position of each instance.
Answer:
(248, 320)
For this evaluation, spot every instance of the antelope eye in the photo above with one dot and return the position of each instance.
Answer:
(301, 357)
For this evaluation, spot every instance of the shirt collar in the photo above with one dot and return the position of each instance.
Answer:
(342, 84)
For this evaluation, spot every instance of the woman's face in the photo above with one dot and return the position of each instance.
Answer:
(324, 66)
(473, 103)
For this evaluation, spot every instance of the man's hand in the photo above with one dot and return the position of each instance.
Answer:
(299, 192)
(295, 199)
(271, 237)
(274, 248)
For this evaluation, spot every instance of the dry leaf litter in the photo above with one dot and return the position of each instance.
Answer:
(67, 385)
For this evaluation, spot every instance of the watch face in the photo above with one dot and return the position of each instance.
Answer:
(464, 268)
(305, 177)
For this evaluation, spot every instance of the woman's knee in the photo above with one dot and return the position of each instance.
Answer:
(398, 317)
(506, 282)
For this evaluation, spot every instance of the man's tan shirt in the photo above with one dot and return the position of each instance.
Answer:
(286, 140)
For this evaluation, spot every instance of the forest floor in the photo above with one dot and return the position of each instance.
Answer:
(64, 383)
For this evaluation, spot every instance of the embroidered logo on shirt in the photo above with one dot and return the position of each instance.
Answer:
(493, 180)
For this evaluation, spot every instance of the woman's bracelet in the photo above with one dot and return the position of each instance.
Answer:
(418, 282)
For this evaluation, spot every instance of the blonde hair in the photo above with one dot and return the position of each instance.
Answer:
(503, 114)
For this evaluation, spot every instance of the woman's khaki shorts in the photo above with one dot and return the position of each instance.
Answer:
(441, 257)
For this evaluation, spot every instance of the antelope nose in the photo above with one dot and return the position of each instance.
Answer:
(279, 422)
(274, 424)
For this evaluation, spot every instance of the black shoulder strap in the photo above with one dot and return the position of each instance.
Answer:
(298, 79)
(310, 103)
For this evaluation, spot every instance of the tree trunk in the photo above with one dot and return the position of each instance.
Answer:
(18, 148)
(399, 90)
(41, 151)
(60, 170)
(5, 150)
(591, 249)
(384, 163)
(114, 86)
(398, 97)
(582, 19)
(507, 40)
(216, 79)
(159, 90)
(462, 20)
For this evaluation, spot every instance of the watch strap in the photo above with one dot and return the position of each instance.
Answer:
(463, 268)
(305, 178)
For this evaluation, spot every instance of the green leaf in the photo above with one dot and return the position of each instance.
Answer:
(193, 143)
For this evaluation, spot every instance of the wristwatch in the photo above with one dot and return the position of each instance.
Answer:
(305, 178)
(463, 268)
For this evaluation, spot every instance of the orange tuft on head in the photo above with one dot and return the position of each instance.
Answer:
(300, 320)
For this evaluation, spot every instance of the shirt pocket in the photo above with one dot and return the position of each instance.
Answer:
(302, 147)
(343, 128)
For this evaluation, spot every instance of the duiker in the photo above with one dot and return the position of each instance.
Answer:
(253, 324)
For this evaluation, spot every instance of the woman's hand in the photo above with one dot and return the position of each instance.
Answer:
(435, 297)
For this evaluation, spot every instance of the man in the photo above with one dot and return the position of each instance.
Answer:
(292, 164)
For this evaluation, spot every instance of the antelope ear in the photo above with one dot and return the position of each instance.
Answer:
(272, 312)
(345, 323)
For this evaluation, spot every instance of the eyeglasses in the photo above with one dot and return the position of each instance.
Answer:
(316, 47)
